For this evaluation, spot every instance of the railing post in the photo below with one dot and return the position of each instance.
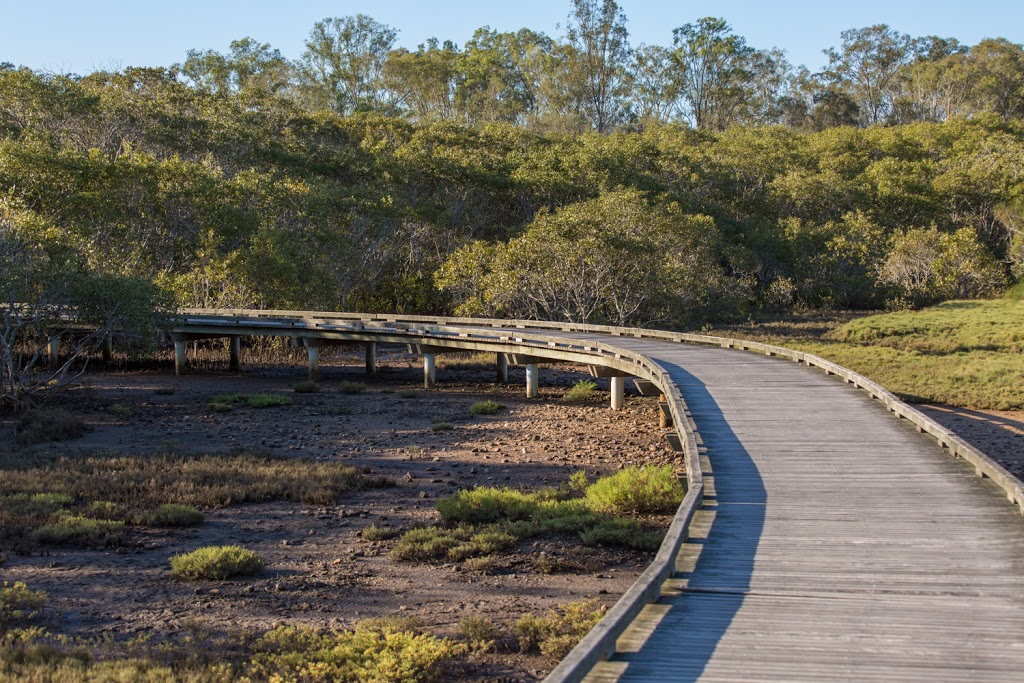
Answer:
(502, 365)
(532, 383)
(235, 360)
(371, 359)
(429, 373)
(618, 386)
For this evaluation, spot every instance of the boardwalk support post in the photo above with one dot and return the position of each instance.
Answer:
(618, 386)
(53, 353)
(532, 383)
(429, 371)
(313, 348)
(502, 366)
(371, 359)
(107, 349)
(235, 361)
(179, 355)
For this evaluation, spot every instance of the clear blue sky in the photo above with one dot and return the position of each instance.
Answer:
(80, 36)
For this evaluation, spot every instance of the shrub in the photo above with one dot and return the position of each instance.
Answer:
(579, 481)
(258, 400)
(408, 393)
(105, 509)
(216, 562)
(622, 533)
(421, 545)
(77, 530)
(487, 505)
(481, 632)
(380, 533)
(582, 391)
(442, 426)
(646, 490)
(165, 391)
(480, 564)
(485, 408)
(290, 653)
(18, 604)
(306, 387)
(41, 426)
(174, 514)
(120, 409)
(556, 633)
(347, 387)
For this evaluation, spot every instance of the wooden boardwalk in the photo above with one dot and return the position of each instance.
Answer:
(835, 543)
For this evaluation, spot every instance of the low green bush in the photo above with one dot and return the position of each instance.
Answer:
(380, 533)
(306, 387)
(176, 515)
(487, 505)
(78, 530)
(45, 425)
(637, 491)
(485, 408)
(216, 562)
(581, 392)
(621, 533)
(479, 631)
(218, 402)
(408, 393)
(558, 632)
(442, 426)
(348, 387)
(18, 604)
(105, 509)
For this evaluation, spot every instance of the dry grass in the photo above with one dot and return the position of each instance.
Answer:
(47, 424)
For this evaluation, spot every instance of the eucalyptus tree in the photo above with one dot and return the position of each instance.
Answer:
(711, 72)
(650, 85)
(501, 75)
(867, 65)
(342, 66)
(249, 66)
(596, 31)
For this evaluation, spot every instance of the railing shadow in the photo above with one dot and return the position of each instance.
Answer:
(694, 621)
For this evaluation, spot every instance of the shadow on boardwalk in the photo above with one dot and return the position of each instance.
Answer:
(715, 569)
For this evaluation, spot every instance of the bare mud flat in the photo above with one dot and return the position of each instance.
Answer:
(320, 571)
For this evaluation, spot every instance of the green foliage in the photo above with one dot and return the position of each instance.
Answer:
(487, 505)
(647, 490)
(45, 425)
(479, 631)
(82, 531)
(558, 631)
(621, 533)
(219, 402)
(365, 654)
(349, 387)
(581, 392)
(216, 563)
(442, 426)
(175, 515)
(130, 488)
(18, 604)
(306, 387)
(487, 407)
(380, 533)
(408, 393)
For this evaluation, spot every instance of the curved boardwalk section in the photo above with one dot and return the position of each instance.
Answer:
(835, 542)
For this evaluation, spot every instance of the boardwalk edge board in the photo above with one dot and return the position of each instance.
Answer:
(600, 643)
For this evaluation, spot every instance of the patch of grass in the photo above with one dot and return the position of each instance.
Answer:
(637, 491)
(253, 400)
(175, 515)
(290, 653)
(485, 408)
(140, 484)
(442, 426)
(18, 604)
(408, 393)
(82, 531)
(962, 353)
(105, 509)
(487, 505)
(120, 409)
(306, 387)
(480, 632)
(581, 392)
(47, 425)
(380, 533)
(431, 543)
(348, 387)
(621, 533)
(216, 563)
(558, 631)
(482, 564)
(165, 391)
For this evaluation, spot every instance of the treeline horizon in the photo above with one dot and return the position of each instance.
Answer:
(592, 78)
(136, 186)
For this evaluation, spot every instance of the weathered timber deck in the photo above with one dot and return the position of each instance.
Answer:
(835, 542)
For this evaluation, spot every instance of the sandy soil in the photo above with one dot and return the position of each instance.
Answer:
(320, 571)
(1000, 434)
